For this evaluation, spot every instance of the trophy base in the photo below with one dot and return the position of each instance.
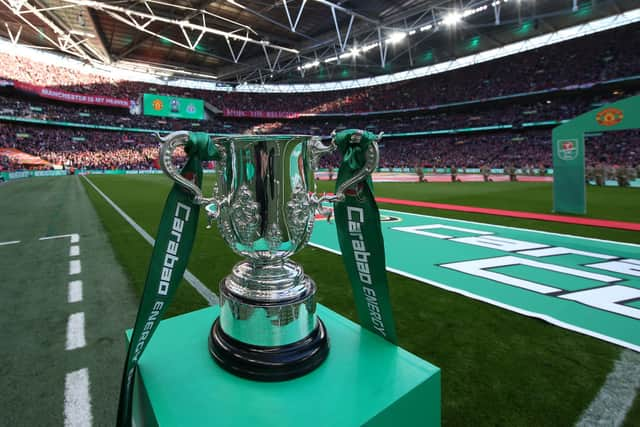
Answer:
(269, 363)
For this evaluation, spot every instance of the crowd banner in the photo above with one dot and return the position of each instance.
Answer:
(16, 156)
(72, 97)
(230, 112)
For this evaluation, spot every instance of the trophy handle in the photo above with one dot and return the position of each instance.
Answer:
(372, 157)
(168, 146)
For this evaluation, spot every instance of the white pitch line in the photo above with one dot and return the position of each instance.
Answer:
(205, 292)
(614, 400)
(12, 242)
(75, 331)
(74, 250)
(74, 238)
(77, 400)
(75, 267)
(75, 291)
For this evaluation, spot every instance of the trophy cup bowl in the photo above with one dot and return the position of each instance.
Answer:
(265, 205)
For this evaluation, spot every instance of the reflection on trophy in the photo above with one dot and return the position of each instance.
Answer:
(265, 203)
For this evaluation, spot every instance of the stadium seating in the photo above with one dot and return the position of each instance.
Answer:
(597, 58)
(519, 146)
(84, 148)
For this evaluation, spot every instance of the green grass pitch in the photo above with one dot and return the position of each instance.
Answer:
(499, 368)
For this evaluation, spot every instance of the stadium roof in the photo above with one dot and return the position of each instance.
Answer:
(287, 41)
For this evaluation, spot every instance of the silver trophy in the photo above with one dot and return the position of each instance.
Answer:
(265, 203)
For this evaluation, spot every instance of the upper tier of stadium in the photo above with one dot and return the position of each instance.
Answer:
(597, 58)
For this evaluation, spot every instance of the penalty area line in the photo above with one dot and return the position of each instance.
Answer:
(205, 292)
(12, 242)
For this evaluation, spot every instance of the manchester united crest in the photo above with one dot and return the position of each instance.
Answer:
(157, 104)
(609, 117)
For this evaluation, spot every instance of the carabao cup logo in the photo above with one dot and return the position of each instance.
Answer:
(567, 149)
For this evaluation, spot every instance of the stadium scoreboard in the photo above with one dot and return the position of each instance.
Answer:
(173, 106)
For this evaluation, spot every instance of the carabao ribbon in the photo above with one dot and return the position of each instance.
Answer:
(360, 237)
(169, 260)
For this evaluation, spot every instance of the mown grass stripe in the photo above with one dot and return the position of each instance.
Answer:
(205, 292)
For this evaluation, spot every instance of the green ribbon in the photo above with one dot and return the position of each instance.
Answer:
(360, 237)
(169, 259)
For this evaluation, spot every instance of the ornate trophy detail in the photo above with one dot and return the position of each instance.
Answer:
(265, 205)
(244, 215)
(298, 211)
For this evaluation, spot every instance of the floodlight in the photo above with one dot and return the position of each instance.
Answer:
(452, 18)
(396, 37)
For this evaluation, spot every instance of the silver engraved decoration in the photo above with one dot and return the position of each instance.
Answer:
(274, 237)
(299, 210)
(244, 216)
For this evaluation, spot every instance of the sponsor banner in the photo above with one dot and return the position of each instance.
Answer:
(585, 285)
(72, 97)
(29, 174)
(50, 173)
(120, 172)
(18, 175)
(173, 106)
(229, 112)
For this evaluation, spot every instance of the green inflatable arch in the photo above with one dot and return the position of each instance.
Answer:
(569, 189)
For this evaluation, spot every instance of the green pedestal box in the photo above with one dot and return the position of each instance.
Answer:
(364, 381)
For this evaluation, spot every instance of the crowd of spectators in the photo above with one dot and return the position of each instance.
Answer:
(595, 58)
(6, 164)
(121, 150)
(498, 150)
(555, 108)
(83, 148)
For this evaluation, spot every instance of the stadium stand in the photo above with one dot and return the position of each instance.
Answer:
(91, 149)
(469, 144)
(526, 72)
